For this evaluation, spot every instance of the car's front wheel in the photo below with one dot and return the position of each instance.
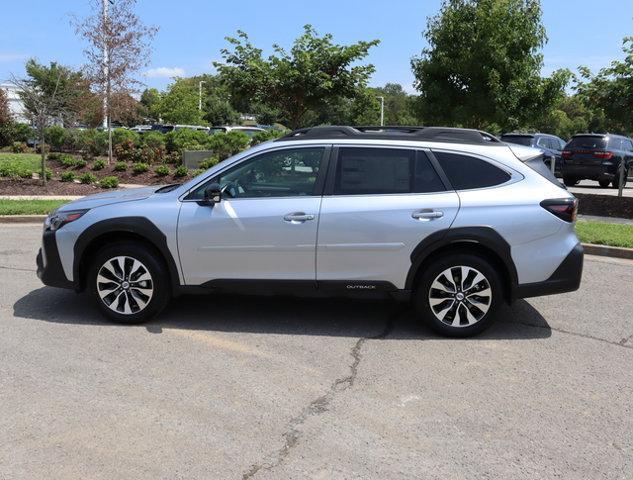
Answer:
(129, 282)
(458, 294)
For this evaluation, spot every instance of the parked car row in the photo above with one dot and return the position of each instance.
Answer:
(248, 130)
(587, 156)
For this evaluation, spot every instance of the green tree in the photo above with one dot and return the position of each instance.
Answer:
(5, 112)
(482, 66)
(180, 103)
(609, 93)
(149, 104)
(315, 71)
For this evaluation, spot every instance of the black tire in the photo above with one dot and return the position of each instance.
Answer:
(466, 329)
(604, 183)
(616, 180)
(570, 181)
(136, 292)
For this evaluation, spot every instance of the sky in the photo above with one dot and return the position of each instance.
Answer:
(192, 32)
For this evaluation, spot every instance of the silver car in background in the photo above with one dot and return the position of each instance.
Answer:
(452, 220)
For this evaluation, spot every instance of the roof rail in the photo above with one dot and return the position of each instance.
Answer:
(371, 132)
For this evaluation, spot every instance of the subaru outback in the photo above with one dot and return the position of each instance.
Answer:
(452, 220)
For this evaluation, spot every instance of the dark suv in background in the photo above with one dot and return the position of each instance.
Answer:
(551, 145)
(597, 157)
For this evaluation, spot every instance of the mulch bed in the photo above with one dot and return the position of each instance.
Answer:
(605, 205)
(52, 187)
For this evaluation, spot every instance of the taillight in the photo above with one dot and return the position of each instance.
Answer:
(564, 208)
(603, 155)
(567, 154)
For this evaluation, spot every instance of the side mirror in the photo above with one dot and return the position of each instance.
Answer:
(213, 194)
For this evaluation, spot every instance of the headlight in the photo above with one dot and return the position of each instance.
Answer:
(57, 220)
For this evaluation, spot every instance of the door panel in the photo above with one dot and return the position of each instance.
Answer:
(363, 238)
(248, 239)
(264, 227)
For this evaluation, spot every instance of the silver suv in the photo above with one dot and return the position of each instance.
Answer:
(453, 220)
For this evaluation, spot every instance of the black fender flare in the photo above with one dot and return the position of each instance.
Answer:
(483, 236)
(139, 226)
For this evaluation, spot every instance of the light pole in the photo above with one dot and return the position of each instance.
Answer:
(200, 94)
(382, 111)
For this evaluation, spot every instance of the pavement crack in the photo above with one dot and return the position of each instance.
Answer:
(621, 343)
(18, 269)
(321, 404)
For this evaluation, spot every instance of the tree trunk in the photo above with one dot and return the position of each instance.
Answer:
(42, 153)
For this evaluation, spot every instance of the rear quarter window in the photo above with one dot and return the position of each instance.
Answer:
(466, 172)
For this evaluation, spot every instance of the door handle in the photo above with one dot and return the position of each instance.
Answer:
(298, 217)
(427, 214)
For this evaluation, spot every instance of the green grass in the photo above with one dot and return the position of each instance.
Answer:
(613, 234)
(19, 164)
(29, 207)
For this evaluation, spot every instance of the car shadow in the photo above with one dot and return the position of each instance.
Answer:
(278, 315)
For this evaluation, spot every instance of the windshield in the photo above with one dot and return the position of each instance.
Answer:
(518, 139)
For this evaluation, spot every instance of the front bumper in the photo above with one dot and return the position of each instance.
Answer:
(49, 265)
(566, 278)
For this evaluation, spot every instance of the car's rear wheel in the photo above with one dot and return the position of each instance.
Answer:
(570, 181)
(604, 183)
(129, 282)
(458, 295)
(616, 180)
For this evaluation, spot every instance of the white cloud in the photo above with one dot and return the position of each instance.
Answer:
(165, 72)
(12, 57)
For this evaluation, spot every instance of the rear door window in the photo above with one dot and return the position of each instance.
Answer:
(361, 171)
(466, 172)
(615, 143)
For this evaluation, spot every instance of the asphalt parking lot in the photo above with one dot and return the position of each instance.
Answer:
(280, 388)
(589, 186)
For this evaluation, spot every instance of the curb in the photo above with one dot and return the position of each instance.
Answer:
(22, 218)
(606, 251)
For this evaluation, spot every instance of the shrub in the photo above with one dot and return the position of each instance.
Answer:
(80, 163)
(207, 163)
(197, 171)
(49, 173)
(153, 140)
(55, 136)
(226, 144)
(186, 139)
(120, 167)
(120, 135)
(67, 176)
(109, 182)
(88, 178)
(55, 157)
(181, 171)
(151, 155)
(66, 160)
(14, 132)
(98, 165)
(19, 147)
(125, 151)
(140, 167)
(161, 170)
(175, 158)
(94, 142)
(266, 135)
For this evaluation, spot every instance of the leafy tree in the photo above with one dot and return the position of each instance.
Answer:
(482, 66)
(609, 94)
(149, 105)
(219, 111)
(118, 47)
(180, 103)
(314, 71)
(5, 111)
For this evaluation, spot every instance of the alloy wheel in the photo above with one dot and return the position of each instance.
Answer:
(460, 296)
(125, 285)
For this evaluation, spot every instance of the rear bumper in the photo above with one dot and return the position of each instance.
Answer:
(594, 172)
(566, 278)
(49, 265)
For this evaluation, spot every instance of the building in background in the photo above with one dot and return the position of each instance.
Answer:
(16, 105)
